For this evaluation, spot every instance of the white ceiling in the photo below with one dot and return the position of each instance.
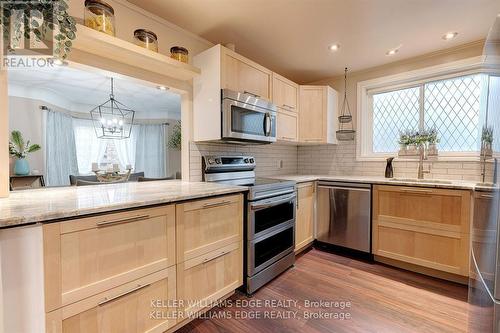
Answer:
(80, 91)
(292, 37)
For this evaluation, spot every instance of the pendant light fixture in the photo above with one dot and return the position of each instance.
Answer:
(112, 119)
(346, 130)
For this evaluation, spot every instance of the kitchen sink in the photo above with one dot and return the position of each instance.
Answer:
(426, 181)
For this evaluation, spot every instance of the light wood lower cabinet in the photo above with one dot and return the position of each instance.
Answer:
(428, 227)
(304, 227)
(91, 255)
(143, 305)
(207, 225)
(209, 277)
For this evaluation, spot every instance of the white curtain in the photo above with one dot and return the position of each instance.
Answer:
(126, 149)
(150, 154)
(60, 149)
(89, 148)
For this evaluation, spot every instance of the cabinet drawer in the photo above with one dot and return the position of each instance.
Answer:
(209, 277)
(143, 305)
(207, 225)
(88, 256)
(288, 126)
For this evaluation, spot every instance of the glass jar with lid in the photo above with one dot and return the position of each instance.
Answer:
(146, 39)
(179, 53)
(100, 16)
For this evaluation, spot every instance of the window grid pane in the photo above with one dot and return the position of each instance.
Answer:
(394, 112)
(452, 107)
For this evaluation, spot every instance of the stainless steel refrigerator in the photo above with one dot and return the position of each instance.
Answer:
(484, 275)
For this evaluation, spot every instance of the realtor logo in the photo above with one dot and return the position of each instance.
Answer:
(35, 32)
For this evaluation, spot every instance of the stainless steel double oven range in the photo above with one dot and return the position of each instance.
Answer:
(270, 217)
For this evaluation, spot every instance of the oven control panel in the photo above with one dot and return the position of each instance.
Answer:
(213, 163)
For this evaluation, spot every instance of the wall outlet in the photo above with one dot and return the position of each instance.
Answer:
(279, 164)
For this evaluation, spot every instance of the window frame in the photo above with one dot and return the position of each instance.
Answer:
(410, 79)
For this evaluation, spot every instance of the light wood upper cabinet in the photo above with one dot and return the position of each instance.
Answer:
(207, 225)
(304, 227)
(288, 126)
(285, 93)
(90, 255)
(243, 75)
(125, 309)
(318, 114)
(428, 227)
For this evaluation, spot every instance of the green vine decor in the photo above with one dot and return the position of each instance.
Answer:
(174, 140)
(41, 21)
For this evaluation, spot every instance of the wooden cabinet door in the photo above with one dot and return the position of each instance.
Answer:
(209, 277)
(90, 255)
(312, 114)
(304, 227)
(207, 225)
(144, 305)
(243, 75)
(285, 93)
(288, 126)
(423, 226)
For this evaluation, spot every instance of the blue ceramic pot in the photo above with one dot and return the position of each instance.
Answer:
(22, 167)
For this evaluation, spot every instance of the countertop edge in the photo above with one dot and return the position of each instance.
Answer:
(74, 214)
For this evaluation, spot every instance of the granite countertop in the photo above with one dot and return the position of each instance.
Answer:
(42, 205)
(453, 184)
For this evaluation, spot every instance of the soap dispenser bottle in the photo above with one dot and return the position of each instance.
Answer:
(389, 171)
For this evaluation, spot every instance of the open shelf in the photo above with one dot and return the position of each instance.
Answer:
(98, 43)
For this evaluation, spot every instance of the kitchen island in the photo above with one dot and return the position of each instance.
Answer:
(85, 255)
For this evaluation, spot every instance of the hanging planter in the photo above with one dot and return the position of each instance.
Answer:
(346, 130)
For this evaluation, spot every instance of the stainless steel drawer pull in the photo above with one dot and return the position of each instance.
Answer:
(486, 196)
(217, 204)
(217, 256)
(417, 191)
(107, 300)
(288, 106)
(121, 221)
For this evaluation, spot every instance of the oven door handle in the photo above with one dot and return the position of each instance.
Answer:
(271, 202)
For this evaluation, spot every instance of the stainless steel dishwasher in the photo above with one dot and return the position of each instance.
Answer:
(344, 215)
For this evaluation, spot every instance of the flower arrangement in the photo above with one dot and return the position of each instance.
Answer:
(487, 142)
(20, 149)
(410, 140)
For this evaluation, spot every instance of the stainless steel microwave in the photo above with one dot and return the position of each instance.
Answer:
(247, 118)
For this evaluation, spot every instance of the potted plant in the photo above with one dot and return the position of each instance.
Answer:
(404, 140)
(174, 140)
(20, 149)
(432, 140)
(412, 142)
(487, 142)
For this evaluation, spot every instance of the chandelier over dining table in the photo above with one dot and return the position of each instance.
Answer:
(112, 119)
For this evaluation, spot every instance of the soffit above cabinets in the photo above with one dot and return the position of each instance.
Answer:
(292, 37)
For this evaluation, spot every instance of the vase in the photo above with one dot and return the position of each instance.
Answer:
(21, 167)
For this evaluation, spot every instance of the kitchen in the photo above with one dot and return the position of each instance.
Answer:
(180, 162)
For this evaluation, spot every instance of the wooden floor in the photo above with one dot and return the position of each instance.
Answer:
(383, 299)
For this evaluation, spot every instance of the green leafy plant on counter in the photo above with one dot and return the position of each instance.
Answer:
(175, 138)
(40, 21)
(487, 135)
(19, 148)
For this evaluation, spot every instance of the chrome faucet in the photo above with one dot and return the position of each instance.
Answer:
(422, 156)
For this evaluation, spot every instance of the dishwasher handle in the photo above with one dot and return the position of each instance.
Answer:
(345, 185)
(345, 188)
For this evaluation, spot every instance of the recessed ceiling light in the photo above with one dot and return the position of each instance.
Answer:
(334, 47)
(450, 35)
(162, 88)
(393, 51)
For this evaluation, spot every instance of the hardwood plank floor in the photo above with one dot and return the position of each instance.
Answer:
(383, 299)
